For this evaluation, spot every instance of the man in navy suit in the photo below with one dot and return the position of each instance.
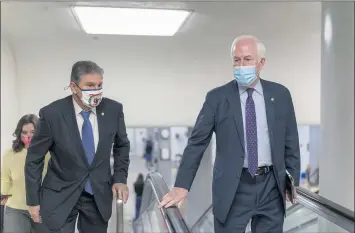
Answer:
(257, 141)
(80, 131)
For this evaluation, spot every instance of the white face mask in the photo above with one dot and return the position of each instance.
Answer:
(91, 98)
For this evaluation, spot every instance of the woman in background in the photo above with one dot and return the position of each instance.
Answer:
(17, 218)
(138, 188)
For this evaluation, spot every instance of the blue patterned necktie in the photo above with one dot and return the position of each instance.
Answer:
(251, 133)
(87, 138)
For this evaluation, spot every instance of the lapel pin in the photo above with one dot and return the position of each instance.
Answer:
(272, 99)
(102, 114)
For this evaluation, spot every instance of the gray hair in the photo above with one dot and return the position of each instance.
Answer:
(260, 46)
(81, 68)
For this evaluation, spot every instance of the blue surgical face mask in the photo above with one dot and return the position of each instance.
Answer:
(245, 75)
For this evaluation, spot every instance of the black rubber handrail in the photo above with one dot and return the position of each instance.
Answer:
(312, 197)
(326, 203)
(172, 214)
(293, 208)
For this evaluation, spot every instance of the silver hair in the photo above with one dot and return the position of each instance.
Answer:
(260, 46)
(81, 68)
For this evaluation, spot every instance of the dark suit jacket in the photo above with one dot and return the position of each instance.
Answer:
(68, 168)
(221, 113)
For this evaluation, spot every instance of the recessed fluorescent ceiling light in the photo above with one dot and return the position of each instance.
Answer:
(130, 21)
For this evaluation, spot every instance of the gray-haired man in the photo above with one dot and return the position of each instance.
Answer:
(257, 142)
(79, 131)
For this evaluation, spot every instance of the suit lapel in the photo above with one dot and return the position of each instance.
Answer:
(70, 119)
(270, 109)
(233, 98)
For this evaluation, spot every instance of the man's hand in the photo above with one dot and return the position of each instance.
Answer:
(34, 212)
(121, 190)
(175, 196)
(4, 200)
(288, 198)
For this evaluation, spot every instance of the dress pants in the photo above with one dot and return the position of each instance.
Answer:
(89, 220)
(257, 199)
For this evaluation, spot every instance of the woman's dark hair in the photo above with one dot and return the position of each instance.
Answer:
(140, 178)
(17, 144)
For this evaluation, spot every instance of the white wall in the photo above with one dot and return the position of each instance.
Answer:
(163, 81)
(336, 165)
(9, 102)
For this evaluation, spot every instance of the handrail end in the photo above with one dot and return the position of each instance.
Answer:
(119, 201)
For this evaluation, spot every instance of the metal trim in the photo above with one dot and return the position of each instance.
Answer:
(119, 216)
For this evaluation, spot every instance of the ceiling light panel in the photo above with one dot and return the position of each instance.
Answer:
(130, 21)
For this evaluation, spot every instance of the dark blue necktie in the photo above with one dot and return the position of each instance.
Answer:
(251, 133)
(87, 138)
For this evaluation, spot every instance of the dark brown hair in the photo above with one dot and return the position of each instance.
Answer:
(17, 144)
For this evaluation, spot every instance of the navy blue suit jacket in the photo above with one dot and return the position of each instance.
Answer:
(68, 168)
(221, 113)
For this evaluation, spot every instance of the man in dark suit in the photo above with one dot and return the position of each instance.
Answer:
(257, 141)
(80, 131)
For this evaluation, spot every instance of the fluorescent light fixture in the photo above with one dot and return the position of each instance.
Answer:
(130, 21)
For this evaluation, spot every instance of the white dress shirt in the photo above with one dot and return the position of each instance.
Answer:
(93, 121)
(264, 149)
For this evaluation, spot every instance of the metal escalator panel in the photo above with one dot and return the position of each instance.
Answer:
(299, 218)
(205, 223)
(153, 219)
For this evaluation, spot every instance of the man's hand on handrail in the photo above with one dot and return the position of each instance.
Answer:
(121, 190)
(175, 196)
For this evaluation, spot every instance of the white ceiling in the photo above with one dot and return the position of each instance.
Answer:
(24, 21)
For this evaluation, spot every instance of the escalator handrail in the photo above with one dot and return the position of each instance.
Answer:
(326, 203)
(119, 216)
(327, 209)
(295, 207)
(289, 211)
(317, 204)
(172, 213)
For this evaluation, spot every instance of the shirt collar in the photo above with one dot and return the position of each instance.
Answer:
(78, 109)
(258, 88)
